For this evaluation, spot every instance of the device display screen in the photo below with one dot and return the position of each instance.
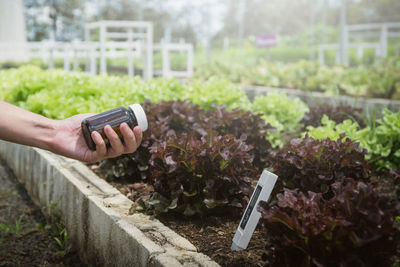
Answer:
(250, 207)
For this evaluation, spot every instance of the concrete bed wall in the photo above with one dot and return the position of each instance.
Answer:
(96, 214)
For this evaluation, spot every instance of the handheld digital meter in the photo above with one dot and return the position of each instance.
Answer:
(251, 216)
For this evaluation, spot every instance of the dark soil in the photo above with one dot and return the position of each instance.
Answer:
(26, 239)
(211, 235)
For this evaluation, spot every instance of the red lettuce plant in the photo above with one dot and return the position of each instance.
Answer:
(193, 175)
(165, 118)
(313, 165)
(184, 117)
(353, 228)
(243, 123)
(177, 118)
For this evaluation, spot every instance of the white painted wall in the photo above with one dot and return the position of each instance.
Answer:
(12, 31)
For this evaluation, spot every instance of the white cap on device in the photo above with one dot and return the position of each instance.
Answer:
(140, 116)
(251, 216)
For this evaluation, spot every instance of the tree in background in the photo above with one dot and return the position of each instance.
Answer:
(190, 20)
(288, 17)
(373, 11)
(273, 16)
(37, 26)
(60, 20)
(64, 20)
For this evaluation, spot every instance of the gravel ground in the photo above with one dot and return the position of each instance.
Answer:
(26, 239)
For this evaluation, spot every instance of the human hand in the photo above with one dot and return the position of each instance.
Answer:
(69, 141)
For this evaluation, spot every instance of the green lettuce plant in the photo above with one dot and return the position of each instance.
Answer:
(57, 94)
(381, 139)
(282, 113)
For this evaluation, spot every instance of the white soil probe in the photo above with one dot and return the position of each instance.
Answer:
(251, 216)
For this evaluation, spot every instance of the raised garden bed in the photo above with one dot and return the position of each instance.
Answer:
(334, 203)
(96, 214)
(379, 80)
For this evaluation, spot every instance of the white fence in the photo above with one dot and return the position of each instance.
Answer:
(397, 50)
(130, 40)
(381, 32)
(75, 53)
(125, 32)
(360, 47)
(165, 50)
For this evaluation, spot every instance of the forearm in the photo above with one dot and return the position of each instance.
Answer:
(64, 137)
(23, 127)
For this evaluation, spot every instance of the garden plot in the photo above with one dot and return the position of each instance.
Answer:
(336, 198)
